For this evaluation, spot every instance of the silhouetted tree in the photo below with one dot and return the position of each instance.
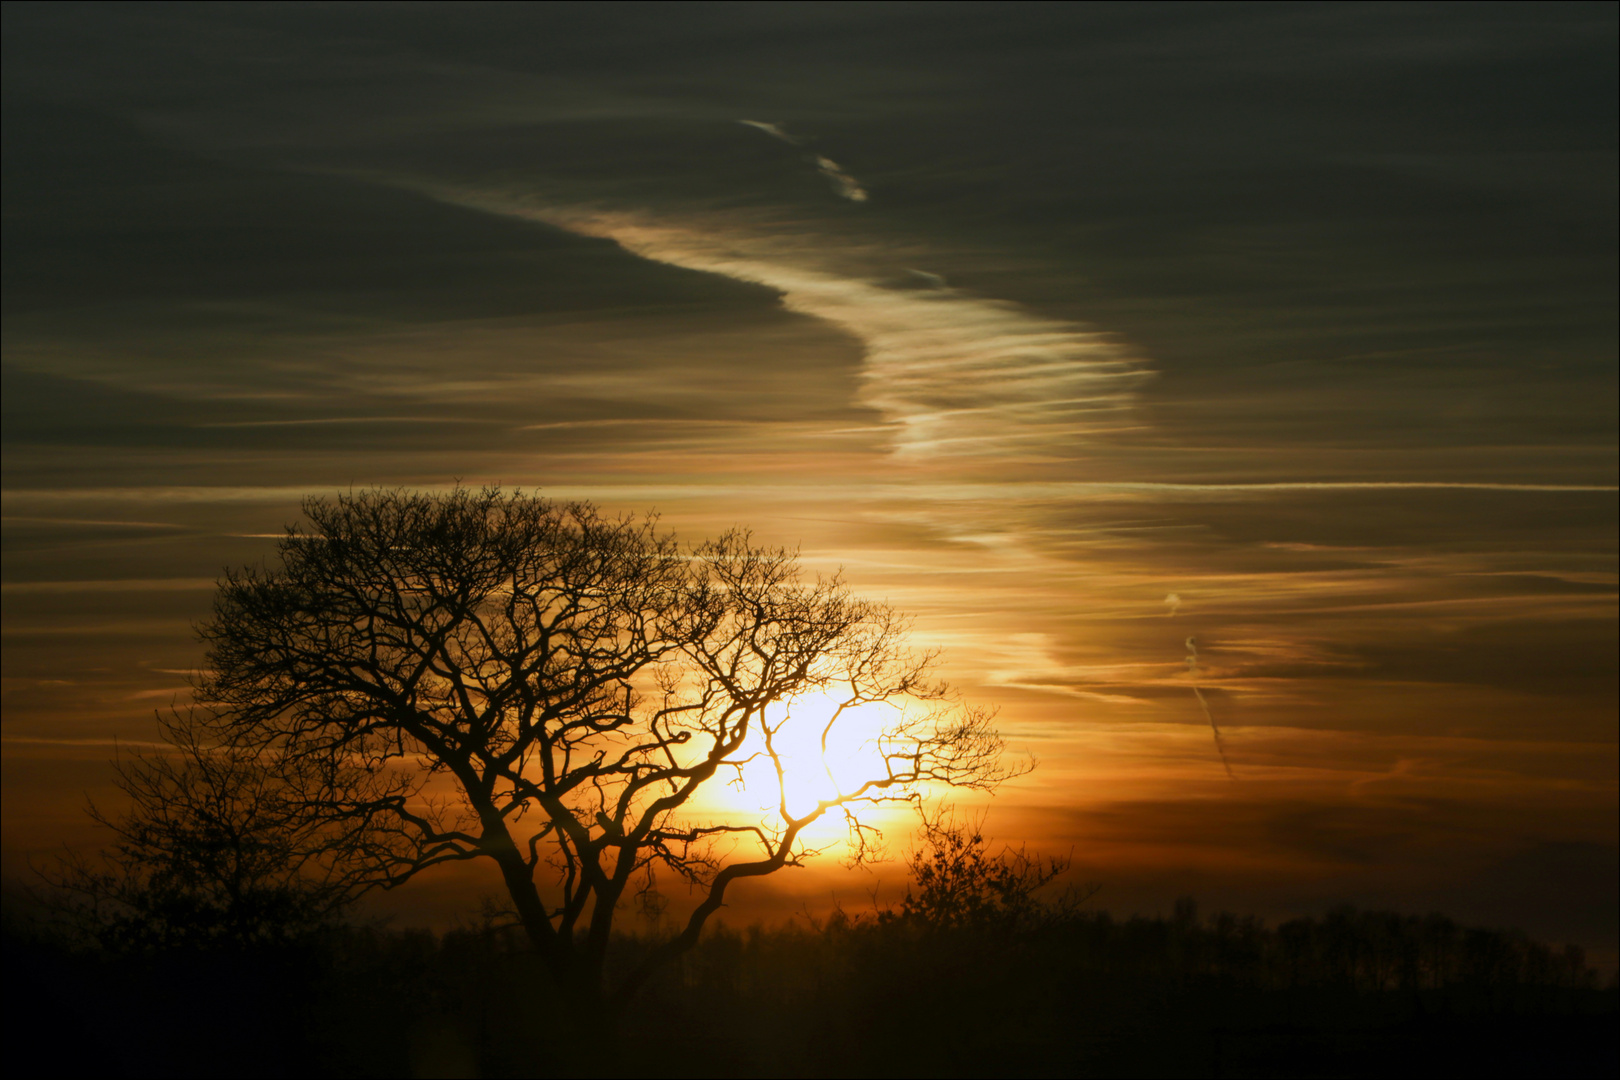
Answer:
(491, 675)
(221, 846)
(960, 883)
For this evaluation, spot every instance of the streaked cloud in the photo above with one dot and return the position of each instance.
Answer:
(844, 185)
(953, 374)
(775, 131)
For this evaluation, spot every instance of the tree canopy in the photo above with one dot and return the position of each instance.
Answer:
(579, 680)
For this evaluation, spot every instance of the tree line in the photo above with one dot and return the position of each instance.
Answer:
(1004, 973)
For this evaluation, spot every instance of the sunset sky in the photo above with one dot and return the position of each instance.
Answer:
(1268, 349)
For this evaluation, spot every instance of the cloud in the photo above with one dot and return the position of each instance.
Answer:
(774, 130)
(844, 185)
(330, 420)
(953, 374)
(28, 588)
(1026, 661)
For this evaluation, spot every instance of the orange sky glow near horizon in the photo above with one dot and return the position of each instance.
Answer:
(1280, 529)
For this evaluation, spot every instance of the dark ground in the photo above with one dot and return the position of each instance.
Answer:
(1351, 994)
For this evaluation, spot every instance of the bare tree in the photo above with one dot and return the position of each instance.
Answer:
(492, 675)
(960, 883)
(220, 846)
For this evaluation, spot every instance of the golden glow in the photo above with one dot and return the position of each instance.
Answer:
(789, 766)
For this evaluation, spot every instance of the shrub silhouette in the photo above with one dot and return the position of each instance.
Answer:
(217, 849)
(958, 882)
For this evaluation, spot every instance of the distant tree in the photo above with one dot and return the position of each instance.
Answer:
(220, 846)
(959, 882)
(432, 678)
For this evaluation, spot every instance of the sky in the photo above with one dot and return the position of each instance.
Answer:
(1248, 366)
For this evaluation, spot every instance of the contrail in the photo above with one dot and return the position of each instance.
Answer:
(1192, 669)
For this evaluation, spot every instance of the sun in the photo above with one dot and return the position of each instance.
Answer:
(824, 751)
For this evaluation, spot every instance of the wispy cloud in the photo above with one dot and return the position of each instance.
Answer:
(334, 420)
(32, 588)
(952, 373)
(89, 523)
(776, 131)
(844, 185)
